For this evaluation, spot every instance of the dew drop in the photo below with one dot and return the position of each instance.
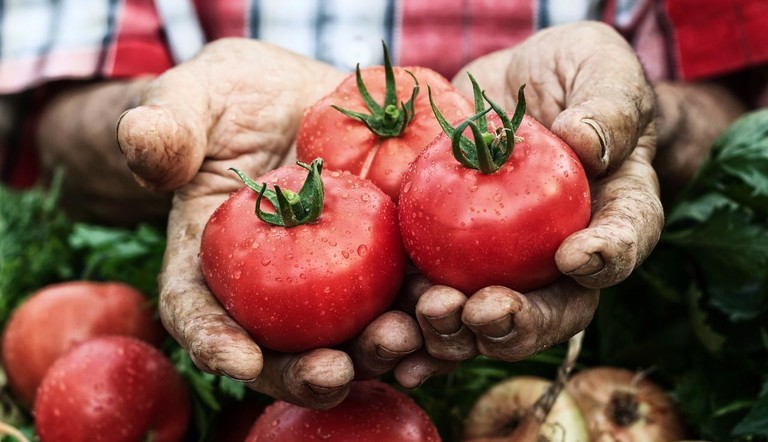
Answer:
(407, 187)
(362, 250)
(345, 254)
(266, 261)
(497, 197)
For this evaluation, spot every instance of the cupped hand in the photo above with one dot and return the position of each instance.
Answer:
(584, 82)
(238, 104)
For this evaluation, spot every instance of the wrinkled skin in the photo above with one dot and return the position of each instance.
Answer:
(229, 104)
(184, 138)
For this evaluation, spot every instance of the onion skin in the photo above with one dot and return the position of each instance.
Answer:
(493, 416)
(648, 413)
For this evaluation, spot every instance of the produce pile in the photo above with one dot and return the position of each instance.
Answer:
(678, 350)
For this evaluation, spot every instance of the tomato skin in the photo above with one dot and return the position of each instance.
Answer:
(309, 286)
(112, 388)
(347, 144)
(372, 412)
(469, 230)
(58, 317)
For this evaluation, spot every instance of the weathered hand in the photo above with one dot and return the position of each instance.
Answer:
(584, 82)
(238, 104)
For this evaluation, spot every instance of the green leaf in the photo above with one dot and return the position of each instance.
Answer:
(33, 247)
(728, 243)
(756, 421)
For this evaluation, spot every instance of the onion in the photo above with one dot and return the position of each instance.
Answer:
(505, 413)
(624, 406)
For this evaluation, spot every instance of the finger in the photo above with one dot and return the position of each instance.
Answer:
(190, 313)
(317, 379)
(414, 285)
(387, 340)
(626, 224)
(164, 138)
(511, 326)
(609, 103)
(439, 314)
(415, 369)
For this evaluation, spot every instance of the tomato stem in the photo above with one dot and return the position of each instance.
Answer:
(291, 208)
(391, 119)
(490, 149)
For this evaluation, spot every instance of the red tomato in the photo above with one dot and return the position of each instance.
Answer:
(60, 316)
(347, 144)
(372, 412)
(112, 388)
(312, 285)
(470, 230)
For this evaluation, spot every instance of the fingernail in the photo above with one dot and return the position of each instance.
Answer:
(593, 266)
(446, 324)
(117, 130)
(496, 329)
(323, 391)
(600, 137)
(387, 354)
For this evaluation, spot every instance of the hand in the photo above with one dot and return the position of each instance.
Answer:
(76, 132)
(690, 118)
(585, 84)
(239, 103)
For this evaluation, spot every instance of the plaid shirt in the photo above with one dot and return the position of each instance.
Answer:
(44, 40)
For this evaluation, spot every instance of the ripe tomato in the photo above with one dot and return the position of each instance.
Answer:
(470, 230)
(112, 388)
(57, 317)
(372, 412)
(346, 143)
(312, 285)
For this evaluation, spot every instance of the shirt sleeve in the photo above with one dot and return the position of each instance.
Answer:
(44, 41)
(714, 38)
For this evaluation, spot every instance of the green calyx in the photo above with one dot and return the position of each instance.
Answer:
(490, 149)
(391, 119)
(291, 208)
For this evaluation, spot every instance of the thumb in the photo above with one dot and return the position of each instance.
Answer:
(164, 139)
(603, 131)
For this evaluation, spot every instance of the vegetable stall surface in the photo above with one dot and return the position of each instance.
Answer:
(352, 131)
(372, 412)
(492, 211)
(317, 283)
(621, 405)
(112, 389)
(59, 317)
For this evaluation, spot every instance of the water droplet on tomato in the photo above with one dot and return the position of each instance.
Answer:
(497, 197)
(407, 187)
(365, 197)
(266, 262)
(345, 254)
(331, 243)
(236, 274)
(473, 188)
(302, 276)
(362, 250)
(327, 289)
